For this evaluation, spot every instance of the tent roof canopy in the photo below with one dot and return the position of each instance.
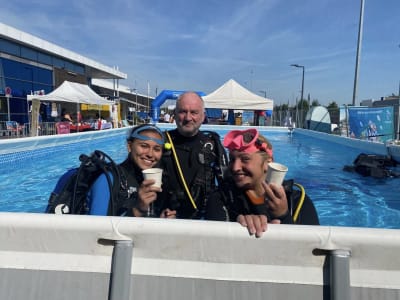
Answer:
(74, 93)
(232, 95)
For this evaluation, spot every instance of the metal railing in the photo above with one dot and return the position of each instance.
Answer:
(44, 128)
(11, 129)
(24, 130)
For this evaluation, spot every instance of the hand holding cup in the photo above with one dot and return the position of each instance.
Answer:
(155, 174)
(276, 173)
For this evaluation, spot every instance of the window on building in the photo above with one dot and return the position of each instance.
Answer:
(29, 53)
(44, 58)
(10, 47)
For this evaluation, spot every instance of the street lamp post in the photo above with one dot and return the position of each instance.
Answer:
(302, 90)
(397, 135)
(360, 30)
(398, 116)
(148, 96)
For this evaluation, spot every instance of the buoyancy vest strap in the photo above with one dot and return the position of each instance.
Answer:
(178, 165)
(300, 203)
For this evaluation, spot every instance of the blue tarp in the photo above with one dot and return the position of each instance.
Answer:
(214, 113)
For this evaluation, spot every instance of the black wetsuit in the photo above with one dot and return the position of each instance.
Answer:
(134, 177)
(226, 204)
(199, 158)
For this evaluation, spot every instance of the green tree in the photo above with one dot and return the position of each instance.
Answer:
(334, 112)
(315, 102)
(303, 105)
(332, 105)
(284, 107)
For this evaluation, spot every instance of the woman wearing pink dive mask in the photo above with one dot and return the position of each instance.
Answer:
(248, 198)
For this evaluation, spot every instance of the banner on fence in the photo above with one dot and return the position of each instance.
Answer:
(371, 123)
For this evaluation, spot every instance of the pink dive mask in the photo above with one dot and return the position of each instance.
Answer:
(236, 140)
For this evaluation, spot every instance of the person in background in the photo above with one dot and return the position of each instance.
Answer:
(172, 118)
(66, 117)
(167, 117)
(224, 116)
(195, 161)
(145, 147)
(261, 118)
(79, 117)
(248, 198)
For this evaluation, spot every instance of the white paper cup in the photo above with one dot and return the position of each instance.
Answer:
(276, 173)
(153, 173)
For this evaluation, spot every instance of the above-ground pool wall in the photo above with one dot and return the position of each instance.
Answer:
(362, 145)
(71, 257)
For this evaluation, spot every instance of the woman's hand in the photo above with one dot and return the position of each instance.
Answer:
(276, 200)
(146, 195)
(256, 224)
(168, 214)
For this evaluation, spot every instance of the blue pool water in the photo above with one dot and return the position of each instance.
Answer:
(341, 198)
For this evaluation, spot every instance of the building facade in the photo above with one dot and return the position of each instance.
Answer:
(31, 65)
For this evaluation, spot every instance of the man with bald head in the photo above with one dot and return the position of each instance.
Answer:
(196, 161)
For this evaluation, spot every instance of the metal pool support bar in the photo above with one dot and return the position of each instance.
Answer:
(339, 272)
(339, 268)
(121, 270)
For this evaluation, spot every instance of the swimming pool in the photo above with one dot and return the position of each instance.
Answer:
(341, 198)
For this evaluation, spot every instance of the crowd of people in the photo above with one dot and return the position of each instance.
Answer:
(203, 178)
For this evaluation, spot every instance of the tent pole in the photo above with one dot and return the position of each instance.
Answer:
(77, 110)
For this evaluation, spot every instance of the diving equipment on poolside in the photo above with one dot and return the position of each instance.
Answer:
(377, 166)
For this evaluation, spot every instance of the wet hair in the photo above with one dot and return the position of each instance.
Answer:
(264, 154)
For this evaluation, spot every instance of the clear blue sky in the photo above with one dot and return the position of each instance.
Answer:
(199, 45)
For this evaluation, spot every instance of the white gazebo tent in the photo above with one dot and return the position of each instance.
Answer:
(232, 95)
(71, 92)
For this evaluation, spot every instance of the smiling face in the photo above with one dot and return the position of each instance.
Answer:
(248, 169)
(145, 153)
(189, 114)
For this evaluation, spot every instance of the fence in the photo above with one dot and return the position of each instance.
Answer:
(280, 117)
(24, 130)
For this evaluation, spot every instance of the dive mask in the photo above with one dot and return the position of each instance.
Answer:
(245, 141)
